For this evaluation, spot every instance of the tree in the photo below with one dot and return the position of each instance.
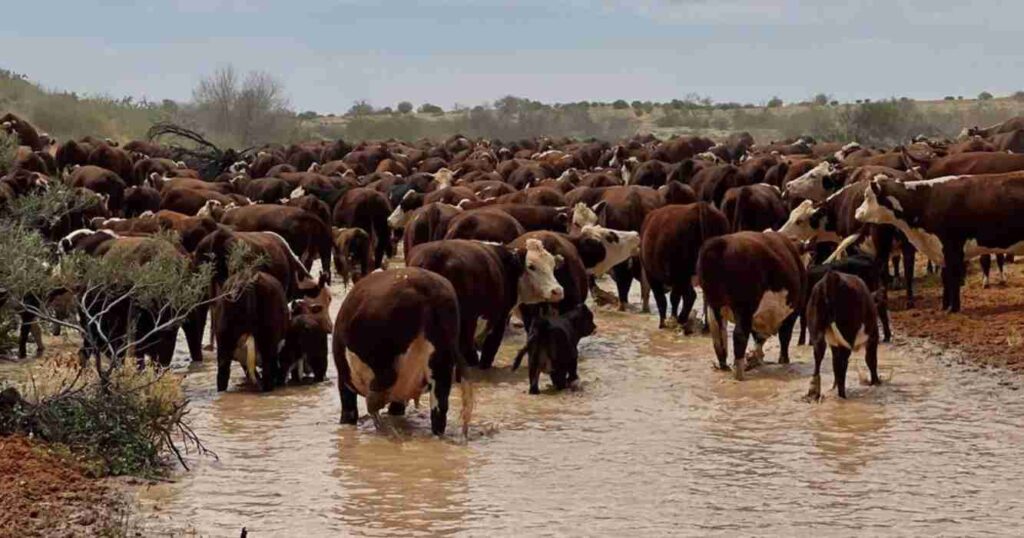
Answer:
(427, 108)
(360, 108)
(308, 115)
(984, 96)
(404, 107)
(775, 102)
(620, 104)
(821, 99)
(1018, 95)
(246, 109)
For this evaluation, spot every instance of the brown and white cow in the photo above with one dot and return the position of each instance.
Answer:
(757, 281)
(396, 336)
(842, 316)
(951, 219)
(490, 280)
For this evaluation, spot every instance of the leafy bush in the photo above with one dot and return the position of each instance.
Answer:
(774, 102)
(128, 426)
(427, 108)
(984, 96)
(620, 104)
(8, 148)
(404, 107)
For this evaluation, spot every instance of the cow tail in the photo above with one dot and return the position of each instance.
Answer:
(832, 283)
(325, 245)
(702, 212)
(465, 392)
(249, 343)
(737, 225)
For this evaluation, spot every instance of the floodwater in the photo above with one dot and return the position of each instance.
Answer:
(656, 442)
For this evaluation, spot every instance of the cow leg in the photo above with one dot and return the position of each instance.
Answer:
(896, 270)
(396, 409)
(814, 393)
(623, 277)
(225, 354)
(718, 337)
(268, 351)
(689, 298)
(25, 328)
(986, 267)
(909, 255)
(37, 335)
(1001, 263)
(674, 296)
(383, 379)
(466, 340)
(534, 368)
(193, 328)
(883, 315)
(440, 387)
(871, 358)
(659, 299)
(163, 348)
(953, 251)
(740, 337)
(349, 409)
(645, 288)
(840, 361)
(495, 332)
(786, 336)
(802, 339)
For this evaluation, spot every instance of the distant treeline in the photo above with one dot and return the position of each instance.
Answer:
(237, 110)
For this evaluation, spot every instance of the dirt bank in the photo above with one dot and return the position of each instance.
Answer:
(990, 328)
(45, 494)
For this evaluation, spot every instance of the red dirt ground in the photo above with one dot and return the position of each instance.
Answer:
(989, 330)
(44, 494)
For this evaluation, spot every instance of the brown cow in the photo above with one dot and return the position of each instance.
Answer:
(255, 320)
(484, 225)
(671, 241)
(757, 281)
(490, 280)
(754, 208)
(841, 315)
(306, 234)
(369, 210)
(396, 334)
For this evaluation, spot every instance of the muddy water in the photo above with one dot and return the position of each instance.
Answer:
(656, 442)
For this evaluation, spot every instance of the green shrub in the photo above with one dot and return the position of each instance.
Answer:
(8, 149)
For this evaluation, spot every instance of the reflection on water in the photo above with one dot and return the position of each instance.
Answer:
(656, 442)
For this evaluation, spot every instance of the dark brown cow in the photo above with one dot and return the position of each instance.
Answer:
(490, 280)
(27, 133)
(191, 201)
(951, 219)
(677, 193)
(369, 210)
(138, 200)
(842, 316)
(484, 225)
(101, 181)
(650, 174)
(670, 243)
(353, 254)
(428, 223)
(1007, 126)
(306, 234)
(757, 281)
(754, 208)
(256, 319)
(268, 190)
(972, 163)
(71, 153)
(544, 196)
(114, 159)
(396, 334)
(712, 182)
(1012, 141)
(277, 258)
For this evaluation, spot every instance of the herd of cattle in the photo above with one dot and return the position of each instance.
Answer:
(772, 234)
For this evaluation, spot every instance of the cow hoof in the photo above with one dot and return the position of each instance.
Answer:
(645, 310)
(783, 360)
(349, 417)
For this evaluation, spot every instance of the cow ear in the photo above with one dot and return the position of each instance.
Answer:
(317, 308)
(598, 207)
(559, 261)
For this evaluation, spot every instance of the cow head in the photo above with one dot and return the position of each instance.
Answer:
(444, 178)
(400, 216)
(882, 202)
(619, 246)
(537, 283)
(212, 209)
(815, 185)
(582, 216)
(805, 222)
(352, 253)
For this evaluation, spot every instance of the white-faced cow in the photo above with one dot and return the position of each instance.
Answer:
(951, 219)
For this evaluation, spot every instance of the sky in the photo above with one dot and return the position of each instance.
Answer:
(331, 53)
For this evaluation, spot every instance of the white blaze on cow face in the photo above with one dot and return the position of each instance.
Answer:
(798, 226)
(583, 216)
(872, 211)
(811, 185)
(412, 369)
(444, 178)
(619, 246)
(537, 283)
(771, 312)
